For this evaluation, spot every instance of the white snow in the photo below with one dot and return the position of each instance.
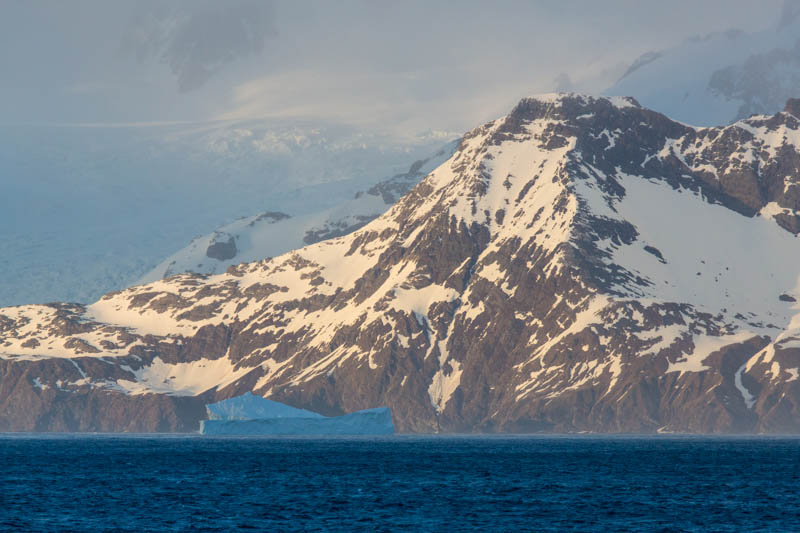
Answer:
(748, 397)
(250, 406)
(772, 209)
(145, 322)
(556, 98)
(706, 264)
(444, 385)
(182, 379)
(588, 314)
(419, 300)
(705, 345)
(666, 336)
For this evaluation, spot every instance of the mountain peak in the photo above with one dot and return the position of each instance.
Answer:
(793, 107)
(570, 105)
(583, 99)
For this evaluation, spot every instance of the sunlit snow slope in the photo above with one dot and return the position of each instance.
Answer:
(581, 264)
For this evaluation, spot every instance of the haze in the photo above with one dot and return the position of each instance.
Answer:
(400, 66)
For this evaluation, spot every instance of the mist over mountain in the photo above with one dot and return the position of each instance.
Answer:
(721, 77)
(409, 67)
(92, 209)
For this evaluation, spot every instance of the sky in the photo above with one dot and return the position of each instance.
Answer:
(408, 67)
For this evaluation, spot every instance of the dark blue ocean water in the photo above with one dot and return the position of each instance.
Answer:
(399, 483)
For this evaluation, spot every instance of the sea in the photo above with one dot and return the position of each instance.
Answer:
(399, 483)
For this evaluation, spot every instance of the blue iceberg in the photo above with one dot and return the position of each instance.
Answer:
(253, 415)
(248, 406)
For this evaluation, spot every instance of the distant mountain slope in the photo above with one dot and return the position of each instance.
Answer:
(581, 264)
(721, 77)
(90, 209)
(273, 233)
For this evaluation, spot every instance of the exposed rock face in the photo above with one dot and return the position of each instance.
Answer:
(581, 264)
(220, 249)
(793, 107)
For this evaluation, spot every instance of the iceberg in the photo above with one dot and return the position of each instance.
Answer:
(253, 415)
(249, 406)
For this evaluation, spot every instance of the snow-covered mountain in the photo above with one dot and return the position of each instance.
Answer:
(721, 77)
(580, 264)
(85, 210)
(273, 233)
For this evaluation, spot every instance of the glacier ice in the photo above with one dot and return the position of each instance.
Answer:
(249, 414)
(249, 406)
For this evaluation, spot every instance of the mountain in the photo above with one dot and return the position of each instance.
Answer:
(720, 77)
(580, 264)
(273, 233)
(92, 208)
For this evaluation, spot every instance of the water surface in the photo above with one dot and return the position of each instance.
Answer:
(174, 483)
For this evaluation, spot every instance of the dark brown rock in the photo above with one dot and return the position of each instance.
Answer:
(222, 250)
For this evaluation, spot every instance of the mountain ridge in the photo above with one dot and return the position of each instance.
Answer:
(539, 280)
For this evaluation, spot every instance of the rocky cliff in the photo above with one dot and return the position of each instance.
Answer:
(581, 264)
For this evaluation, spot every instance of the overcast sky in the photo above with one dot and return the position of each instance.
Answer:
(405, 65)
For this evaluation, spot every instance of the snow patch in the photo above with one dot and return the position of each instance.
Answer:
(444, 385)
(182, 379)
(749, 399)
(704, 346)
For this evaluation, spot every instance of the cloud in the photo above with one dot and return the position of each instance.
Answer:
(198, 40)
(408, 66)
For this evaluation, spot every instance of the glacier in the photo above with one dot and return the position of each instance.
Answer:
(69, 232)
